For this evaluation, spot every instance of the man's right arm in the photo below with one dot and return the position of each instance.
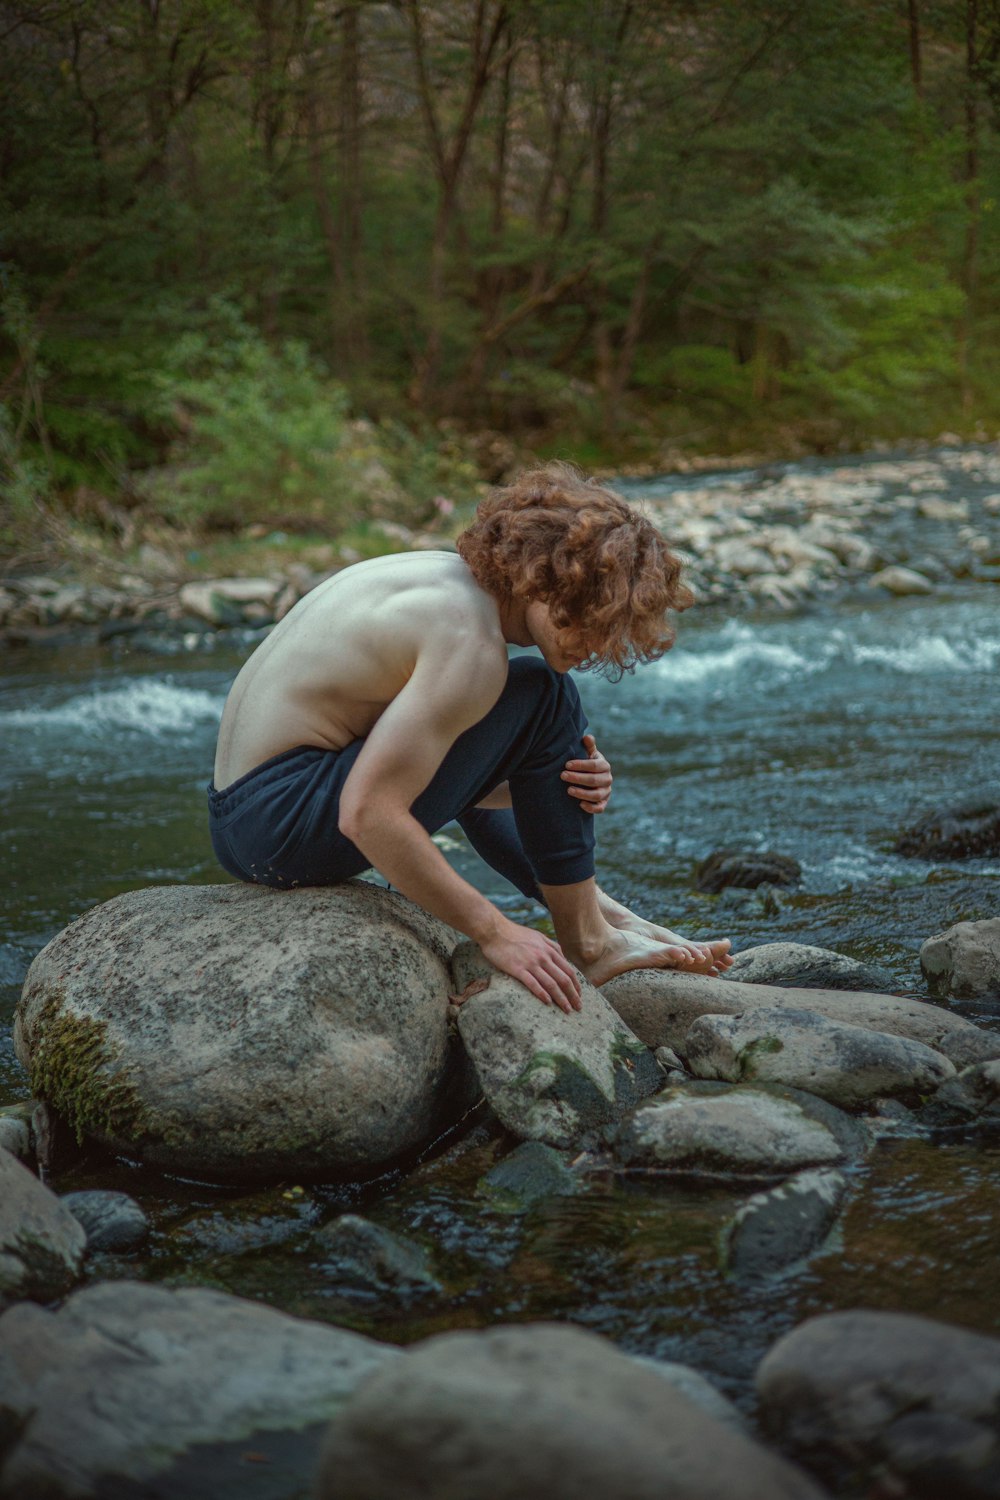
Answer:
(447, 693)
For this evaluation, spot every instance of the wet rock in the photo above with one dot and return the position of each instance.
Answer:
(775, 1229)
(15, 1131)
(972, 1096)
(746, 868)
(668, 1060)
(41, 1244)
(230, 601)
(660, 1008)
(111, 1221)
(360, 1256)
(195, 1389)
(246, 1034)
(882, 1396)
(808, 967)
(963, 962)
(549, 1076)
(744, 1131)
(901, 581)
(530, 1174)
(538, 1413)
(848, 1065)
(969, 830)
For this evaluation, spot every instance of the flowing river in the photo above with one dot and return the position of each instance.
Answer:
(820, 734)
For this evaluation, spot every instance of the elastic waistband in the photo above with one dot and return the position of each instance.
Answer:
(217, 798)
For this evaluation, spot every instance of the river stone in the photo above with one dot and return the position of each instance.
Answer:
(964, 961)
(549, 1076)
(111, 1221)
(138, 1390)
(541, 1412)
(746, 868)
(691, 1384)
(530, 1174)
(973, 1095)
(738, 1132)
(774, 1229)
(15, 1131)
(901, 581)
(360, 1256)
(969, 830)
(807, 967)
(660, 1007)
(913, 1403)
(41, 1244)
(848, 1065)
(246, 1034)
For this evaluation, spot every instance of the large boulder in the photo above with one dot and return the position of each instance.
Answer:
(132, 1389)
(848, 1065)
(660, 1007)
(41, 1243)
(876, 1395)
(539, 1413)
(969, 830)
(237, 1032)
(964, 962)
(549, 1076)
(807, 967)
(723, 1133)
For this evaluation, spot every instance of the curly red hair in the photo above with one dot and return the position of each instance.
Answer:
(602, 568)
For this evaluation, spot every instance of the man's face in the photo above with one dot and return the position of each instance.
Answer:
(561, 648)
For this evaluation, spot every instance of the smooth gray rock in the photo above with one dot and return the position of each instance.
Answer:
(972, 1096)
(359, 1256)
(541, 1412)
(549, 1076)
(660, 1008)
(732, 1132)
(691, 1384)
(530, 1174)
(111, 1221)
(15, 1131)
(875, 1394)
(967, 830)
(901, 581)
(137, 1390)
(41, 1244)
(774, 1229)
(746, 868)
(964, 962)
(808, 967)
(242, 1033)
(848, 1065)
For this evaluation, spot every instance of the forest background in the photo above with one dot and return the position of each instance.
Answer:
(296, 264)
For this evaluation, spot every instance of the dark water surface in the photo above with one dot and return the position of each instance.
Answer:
(820, 735)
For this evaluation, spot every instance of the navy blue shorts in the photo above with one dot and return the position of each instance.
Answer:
(278, 825)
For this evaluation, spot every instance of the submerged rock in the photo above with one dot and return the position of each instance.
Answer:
(964, 961)
(111, 1221)
(969, 830)
(848, 1065)
(538, 1413)
(549, 1076)
(193, 1386)
(360, 1256)
(875, 1395)
(530, 1174)
(660, 1008)
(41, 1244)
(775, 1229)
(807, 967)
(746, 868)
(242, 1033)
(972, 1096)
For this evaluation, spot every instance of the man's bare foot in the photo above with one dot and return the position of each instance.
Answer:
(624, 951)
(705, 958)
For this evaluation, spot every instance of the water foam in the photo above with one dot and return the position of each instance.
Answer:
(153, 706)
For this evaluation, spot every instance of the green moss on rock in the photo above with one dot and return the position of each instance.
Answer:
(73, 1068)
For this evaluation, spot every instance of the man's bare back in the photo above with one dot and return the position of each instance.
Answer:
(329, 670)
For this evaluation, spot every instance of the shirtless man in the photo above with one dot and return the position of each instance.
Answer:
(384, 706)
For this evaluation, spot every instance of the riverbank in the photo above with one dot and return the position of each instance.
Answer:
(778, 536)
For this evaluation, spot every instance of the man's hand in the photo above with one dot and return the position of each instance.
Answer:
(537, 962)
(590, 780)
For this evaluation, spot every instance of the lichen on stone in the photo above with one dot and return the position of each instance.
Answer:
(72, 1067)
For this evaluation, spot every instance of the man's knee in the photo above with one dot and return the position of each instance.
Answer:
(536, 679)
